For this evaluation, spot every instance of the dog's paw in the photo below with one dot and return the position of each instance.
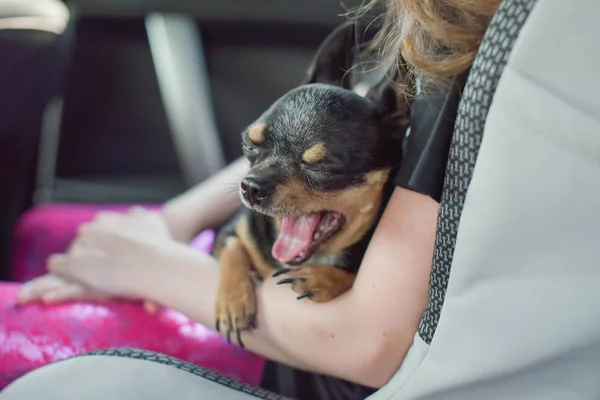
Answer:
(319, 283)
(235, 308)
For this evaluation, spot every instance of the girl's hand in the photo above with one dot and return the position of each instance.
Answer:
(110, 259)
(137, 221)
(53, 289)
(108, 253)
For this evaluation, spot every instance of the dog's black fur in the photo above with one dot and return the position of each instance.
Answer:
(319, 148)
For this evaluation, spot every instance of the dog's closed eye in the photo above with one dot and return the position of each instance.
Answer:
(249, 148)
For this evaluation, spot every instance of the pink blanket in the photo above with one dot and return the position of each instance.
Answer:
(35, 335)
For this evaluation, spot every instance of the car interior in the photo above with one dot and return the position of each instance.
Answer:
(155, 96)
(152, 100)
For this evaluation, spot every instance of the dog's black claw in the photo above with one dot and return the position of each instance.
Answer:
(239, 337)
(229, 335)
(281, 272)
(252, 321)
(304, 295)
(287, 280)
(218, 325)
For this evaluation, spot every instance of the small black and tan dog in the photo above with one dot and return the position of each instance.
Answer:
(320, 158)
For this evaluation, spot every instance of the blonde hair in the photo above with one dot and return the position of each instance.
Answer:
(434, 40)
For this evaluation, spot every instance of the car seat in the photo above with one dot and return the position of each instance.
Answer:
(514, 306)
(34, 36)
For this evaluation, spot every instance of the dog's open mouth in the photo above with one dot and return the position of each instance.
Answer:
(300, 237)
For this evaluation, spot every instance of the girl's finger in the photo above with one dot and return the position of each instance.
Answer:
(106, 216)
(58, 263)
(102, 238)
(63, 293)
(77, 245)
(137, 210)
(32, 290)
(82, 227)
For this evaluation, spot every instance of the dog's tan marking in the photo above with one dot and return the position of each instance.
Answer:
(359, 204)
(324, 282)
(314, 154)
(257, 259)
(256, 133)
(359, 219)
(236, 300)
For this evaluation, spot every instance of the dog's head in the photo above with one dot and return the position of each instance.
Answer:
(319, 159)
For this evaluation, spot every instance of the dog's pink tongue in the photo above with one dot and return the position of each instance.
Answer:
(295, 235)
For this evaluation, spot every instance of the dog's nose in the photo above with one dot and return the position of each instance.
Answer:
(256, 190)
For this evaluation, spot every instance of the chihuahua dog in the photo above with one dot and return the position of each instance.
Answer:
(320, 158)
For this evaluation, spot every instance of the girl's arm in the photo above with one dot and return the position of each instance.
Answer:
(206, 205)
(361, 336)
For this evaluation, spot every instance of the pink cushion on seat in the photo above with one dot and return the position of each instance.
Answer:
(34, 335)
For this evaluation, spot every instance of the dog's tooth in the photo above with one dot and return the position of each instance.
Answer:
(317, 235)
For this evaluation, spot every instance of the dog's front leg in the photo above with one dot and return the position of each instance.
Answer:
(235, 308)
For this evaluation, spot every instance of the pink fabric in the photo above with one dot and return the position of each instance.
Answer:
(35, 335)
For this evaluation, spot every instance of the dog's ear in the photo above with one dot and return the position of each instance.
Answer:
(393, 107)
(335, 57)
